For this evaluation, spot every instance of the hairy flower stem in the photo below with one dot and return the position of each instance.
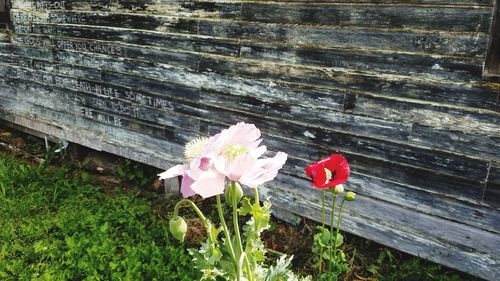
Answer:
(256, 192)
(323, 227)
(225, 230)
(339, 220)
(244, 258)
(237, 234)
(192, 205)
(332, 216)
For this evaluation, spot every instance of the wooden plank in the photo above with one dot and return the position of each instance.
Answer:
(492, 191)
(84, 56)
(388, 16)
(477, 95)
(424, 2)
(4, 37)
(305, 113)
(487, 147)
(434, 67)
(102, 40)
(302, 148)
(480, 123)
(65, 69)
(461, 188)
(160, 5)
(150, 55)
(354, 124)
(469, 45)
(15, 60)
(412, 87)
(81, 45)
(64, 112)
(173, 24)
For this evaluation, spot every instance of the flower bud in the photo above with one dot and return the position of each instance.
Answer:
(233, 192)
(338, 189)
(350, 196)
(178, 228)
(342, 255)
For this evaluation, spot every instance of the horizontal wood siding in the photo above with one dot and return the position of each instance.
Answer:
(394, 85)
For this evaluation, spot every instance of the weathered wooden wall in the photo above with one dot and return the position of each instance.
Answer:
(394, 85)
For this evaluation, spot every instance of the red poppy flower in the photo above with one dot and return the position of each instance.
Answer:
(329, 172)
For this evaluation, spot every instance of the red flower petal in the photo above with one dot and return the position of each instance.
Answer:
(338, 166)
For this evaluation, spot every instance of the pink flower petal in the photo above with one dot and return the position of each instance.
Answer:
(236, 168)
(264, 170)
(209, 184)
(186, 189)
(243, 134)
(177, 170)
(258, 151)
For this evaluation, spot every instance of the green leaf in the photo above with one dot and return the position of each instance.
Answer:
(339, 240)
(279, 272)
(246, 206)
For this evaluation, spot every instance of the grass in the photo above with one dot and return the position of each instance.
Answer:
(57, 227)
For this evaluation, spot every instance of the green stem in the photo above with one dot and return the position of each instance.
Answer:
(244, 258)
(274, 252)
(192, 205)
(237, 231)
(334, 201)
(256, 192)
(339, 220)
(323, 227)
(224, 229)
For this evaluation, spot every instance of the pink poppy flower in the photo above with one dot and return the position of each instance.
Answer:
(236, 154)
(233, 153)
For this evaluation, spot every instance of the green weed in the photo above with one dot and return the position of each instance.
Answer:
(136, 174)
(387, 268)
(56, 227)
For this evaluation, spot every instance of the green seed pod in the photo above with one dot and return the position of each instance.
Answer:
(178, 228)
(350, 196)
(338, 189)
(342, 255)
(233, 192)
